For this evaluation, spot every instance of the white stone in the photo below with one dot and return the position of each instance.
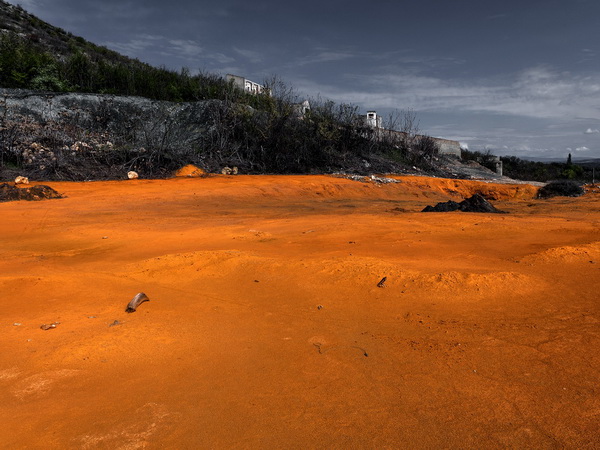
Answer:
(132, 175)
(21, 180)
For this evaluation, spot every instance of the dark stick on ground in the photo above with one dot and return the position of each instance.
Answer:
(136, 301)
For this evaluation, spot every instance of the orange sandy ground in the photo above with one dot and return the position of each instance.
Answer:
(487, 334)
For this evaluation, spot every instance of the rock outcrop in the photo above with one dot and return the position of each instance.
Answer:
(78, 136)
(476, 203)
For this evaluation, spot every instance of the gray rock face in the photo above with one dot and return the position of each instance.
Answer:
(99, 111)
(91, 136)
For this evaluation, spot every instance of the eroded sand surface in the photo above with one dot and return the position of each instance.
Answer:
(266, 328)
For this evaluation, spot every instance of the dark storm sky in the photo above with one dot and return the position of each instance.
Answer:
(516, 77)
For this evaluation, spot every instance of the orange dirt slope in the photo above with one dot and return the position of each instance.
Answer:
(265, 326)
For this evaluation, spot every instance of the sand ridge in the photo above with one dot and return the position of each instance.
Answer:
(266, 328)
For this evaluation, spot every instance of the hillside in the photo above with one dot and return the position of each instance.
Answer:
(37, 55)
(51, 39)
(65, 99)
(263, 133)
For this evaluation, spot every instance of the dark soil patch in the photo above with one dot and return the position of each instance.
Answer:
(9, 193)
(476, 203)
(562, 188)
(398, 210)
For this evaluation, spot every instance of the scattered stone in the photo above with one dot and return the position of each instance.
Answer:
(91, 317)
(229, 170)
(17, 324)
(132, 175)
(21, 180)
(136, 301)
(381, 284)
(104, 237)
(50, 326)
(116, 322)
(383, 180)
(476, 203)
(367, 178)
(320, 307)
(10, 193)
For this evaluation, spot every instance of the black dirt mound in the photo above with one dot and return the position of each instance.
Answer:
(476, 203)
(563, 188)
(9, 193)
(443, 207)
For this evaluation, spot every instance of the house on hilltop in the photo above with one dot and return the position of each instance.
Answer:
(446, 146)
(373, 120)
(245, 84)
(301, 108)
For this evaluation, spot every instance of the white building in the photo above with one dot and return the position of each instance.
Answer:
(246, 85)
(446, 146)
(302, 108)
(373, 120)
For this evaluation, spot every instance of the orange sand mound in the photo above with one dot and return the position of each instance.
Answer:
(190, 171)
(265, 326)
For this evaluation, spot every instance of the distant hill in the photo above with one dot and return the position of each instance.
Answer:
(543, 160)
(580, 161)
(590, 162)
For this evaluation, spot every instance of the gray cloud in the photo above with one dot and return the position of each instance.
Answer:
(251, 55)
(324, 56)
(29, 5)
(536, 93)
(183, 49)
